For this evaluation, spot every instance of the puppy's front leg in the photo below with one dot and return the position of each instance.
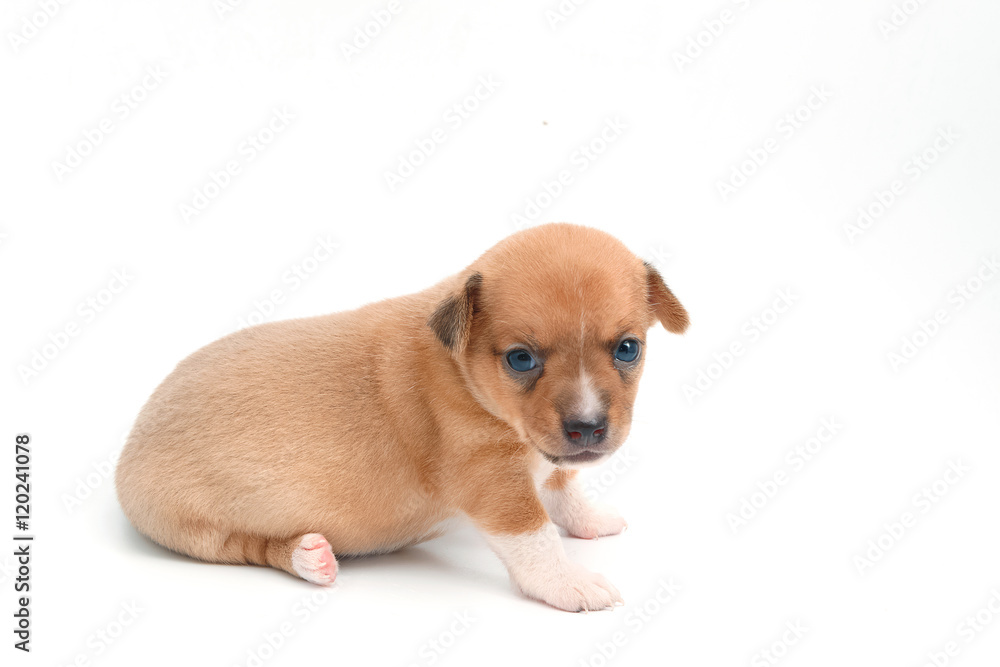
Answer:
(516, 526)
(569, 508)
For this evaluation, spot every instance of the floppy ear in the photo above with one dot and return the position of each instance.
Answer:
(452, 319)
(662, 301)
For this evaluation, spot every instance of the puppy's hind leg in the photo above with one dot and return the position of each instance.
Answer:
(312, 559)
(307, 556)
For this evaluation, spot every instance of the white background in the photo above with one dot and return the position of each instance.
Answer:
(691, 460)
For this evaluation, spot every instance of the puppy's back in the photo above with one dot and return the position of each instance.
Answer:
(281, 425)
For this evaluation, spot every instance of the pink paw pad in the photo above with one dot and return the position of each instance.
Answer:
(313, 560)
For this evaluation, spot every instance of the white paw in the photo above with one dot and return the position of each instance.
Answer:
(313, 560)
(596, 523)
(575, 589)
(539, 568)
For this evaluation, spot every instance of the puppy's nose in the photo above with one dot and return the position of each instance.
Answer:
(585, 433)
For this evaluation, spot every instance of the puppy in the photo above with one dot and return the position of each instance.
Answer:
(361, 432)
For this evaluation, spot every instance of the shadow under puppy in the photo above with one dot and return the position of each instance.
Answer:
(361, 432)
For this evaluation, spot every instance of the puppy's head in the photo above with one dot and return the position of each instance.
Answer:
(549, 330)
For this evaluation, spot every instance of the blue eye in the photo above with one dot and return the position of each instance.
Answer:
(521, 360)
(628, 350)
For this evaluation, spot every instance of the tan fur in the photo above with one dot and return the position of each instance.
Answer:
(373, 426)
(560, 478)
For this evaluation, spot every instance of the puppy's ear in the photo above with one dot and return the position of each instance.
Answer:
(452, 319)
(664, 304)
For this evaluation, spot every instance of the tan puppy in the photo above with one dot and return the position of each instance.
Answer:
(360, 432)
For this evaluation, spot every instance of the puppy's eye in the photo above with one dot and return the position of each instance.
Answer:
(628, 350)
(521, 360)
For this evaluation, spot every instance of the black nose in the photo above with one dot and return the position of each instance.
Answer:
(585, 433)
